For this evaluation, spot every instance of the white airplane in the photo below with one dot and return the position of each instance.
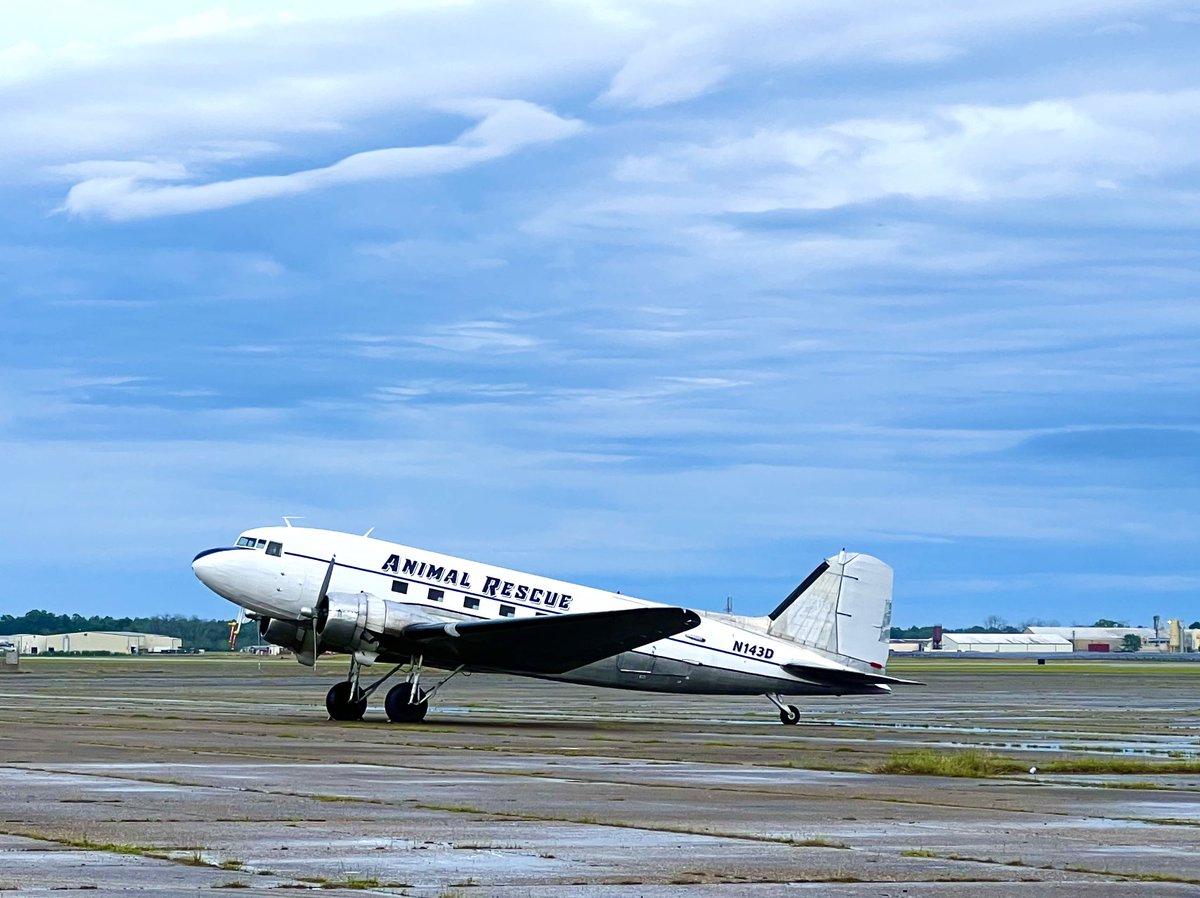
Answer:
(315, 591)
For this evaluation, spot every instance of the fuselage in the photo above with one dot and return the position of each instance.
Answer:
(277, 572)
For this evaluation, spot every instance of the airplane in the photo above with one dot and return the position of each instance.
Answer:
(315, 591)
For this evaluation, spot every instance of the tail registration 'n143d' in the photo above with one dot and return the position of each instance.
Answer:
(315, 591)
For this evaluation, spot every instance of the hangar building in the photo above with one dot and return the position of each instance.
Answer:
(1030, 643)
(119, 643)
(1102, 639)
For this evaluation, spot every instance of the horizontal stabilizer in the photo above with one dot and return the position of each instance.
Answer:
(549, 645)
(826, 676)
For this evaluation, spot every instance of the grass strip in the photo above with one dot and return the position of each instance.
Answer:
(982, 764)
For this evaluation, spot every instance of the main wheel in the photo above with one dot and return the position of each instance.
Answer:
(399, 705)
(791, 716)
(341, 703)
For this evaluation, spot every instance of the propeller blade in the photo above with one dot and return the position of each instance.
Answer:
(324, 591)
(310, 649)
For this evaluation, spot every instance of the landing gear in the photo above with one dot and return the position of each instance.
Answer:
(788, 714)
(345, 701)
(406, 703)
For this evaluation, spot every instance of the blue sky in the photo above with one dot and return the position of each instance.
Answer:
(669, 298)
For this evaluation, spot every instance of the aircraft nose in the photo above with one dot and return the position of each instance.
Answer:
(205, 565)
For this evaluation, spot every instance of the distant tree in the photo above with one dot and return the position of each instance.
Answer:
(1105, 622)
(1038, 622)
(1194, 625)
(195, 632)
(1131, 643)
(912, 632)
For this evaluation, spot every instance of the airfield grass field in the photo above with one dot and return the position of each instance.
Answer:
(184, 773)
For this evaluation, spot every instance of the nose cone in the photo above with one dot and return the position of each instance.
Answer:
(211, 569)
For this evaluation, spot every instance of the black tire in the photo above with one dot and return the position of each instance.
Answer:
(791, 716)
(341, 705)
(400, 708)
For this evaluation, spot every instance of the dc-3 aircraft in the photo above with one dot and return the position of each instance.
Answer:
(315, 591)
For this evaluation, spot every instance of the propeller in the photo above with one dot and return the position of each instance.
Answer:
(310, 647)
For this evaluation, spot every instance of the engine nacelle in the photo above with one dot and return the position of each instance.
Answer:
(341, 620)
(352, 622)
(286, 633)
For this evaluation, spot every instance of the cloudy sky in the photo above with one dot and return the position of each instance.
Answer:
(669, 298)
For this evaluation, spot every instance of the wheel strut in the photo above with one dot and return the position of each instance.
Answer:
(369, 690)
(406, 702)
(788, 714)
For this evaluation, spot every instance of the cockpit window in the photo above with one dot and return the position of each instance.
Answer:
(275, 549)
(261, 543)
(246, 542)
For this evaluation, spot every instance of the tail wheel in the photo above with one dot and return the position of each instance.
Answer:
(790, 715)
(341, 703)
(400, 706)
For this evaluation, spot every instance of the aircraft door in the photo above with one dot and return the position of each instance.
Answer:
(292, 589)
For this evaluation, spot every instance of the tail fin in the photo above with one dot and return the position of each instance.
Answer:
(843, 607)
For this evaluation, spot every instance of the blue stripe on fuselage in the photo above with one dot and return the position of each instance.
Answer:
(540, 608)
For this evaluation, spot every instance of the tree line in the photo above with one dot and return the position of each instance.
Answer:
(195, 632)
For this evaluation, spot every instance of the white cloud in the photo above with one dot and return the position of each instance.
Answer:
(1121, 28)
(962, 152)
(122, 191)
(159, 86)
(477, 336)
(202, 24)
(657, 375)
(681, 60)
(452, 391)
(679, 67)
(116, 169)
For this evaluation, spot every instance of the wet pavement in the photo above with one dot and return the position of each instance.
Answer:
(179, 774)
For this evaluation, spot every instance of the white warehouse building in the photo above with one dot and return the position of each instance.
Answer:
(118, 643)
(1104, 639)
(1028, 643)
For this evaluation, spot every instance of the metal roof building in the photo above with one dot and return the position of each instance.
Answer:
(1100, 639)
(1005, 642)
(119, 643)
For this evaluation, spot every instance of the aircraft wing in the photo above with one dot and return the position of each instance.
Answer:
(550, 644)
(828, 676)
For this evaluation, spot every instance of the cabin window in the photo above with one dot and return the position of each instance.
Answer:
(275, 549)
(507, 611)
(470, 602)
(436, 595)
(399, 586)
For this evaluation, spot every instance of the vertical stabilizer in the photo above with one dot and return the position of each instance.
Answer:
(843, 607)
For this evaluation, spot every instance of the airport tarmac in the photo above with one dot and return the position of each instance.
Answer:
(177, 774)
